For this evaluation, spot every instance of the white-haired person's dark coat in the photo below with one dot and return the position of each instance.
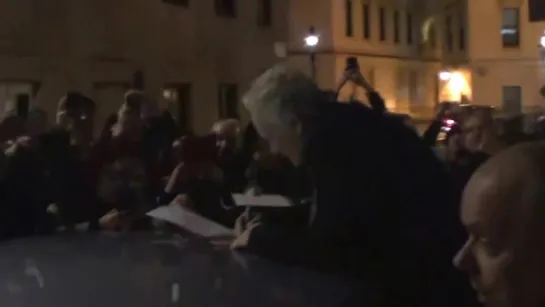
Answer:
(382, 214)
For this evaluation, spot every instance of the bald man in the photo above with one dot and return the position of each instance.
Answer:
(503, 210)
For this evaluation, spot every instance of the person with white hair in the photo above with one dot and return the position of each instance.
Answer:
(381, 212)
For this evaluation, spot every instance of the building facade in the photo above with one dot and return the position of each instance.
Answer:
(387, 39)
(196, 57)
(493, 55)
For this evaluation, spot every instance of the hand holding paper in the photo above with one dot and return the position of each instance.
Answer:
(190, 221)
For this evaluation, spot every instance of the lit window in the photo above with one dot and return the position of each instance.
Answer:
(510, 30)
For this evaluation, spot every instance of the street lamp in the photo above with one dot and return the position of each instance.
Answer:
(311, 41)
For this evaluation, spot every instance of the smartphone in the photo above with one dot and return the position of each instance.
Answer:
(23, 105)
(352, 64)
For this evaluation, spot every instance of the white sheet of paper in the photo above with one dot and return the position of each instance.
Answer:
(190, 221)
(263, 200)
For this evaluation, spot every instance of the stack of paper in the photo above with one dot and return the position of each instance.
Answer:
(190, 221)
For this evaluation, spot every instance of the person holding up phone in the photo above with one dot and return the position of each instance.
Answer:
(352, 73)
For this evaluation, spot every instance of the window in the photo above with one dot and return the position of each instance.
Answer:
(349, 26)
(510, 30)
(536, 10)
(183, 3)
(382, 23)
(512, 100)
(178, 97)
(366, 21)
(228, 101)
(448, 34)
(396, 26)
(433, 37)
(409, 28)
(264, 13)
(225, 8)
(9, 92)
(462, 33)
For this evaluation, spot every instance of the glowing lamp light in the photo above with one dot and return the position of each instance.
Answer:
(542, 41)
(312, 40)
(445, 76)
(457, 82)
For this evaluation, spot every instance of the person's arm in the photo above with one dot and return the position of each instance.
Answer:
(375, 100)
(430, 135)
(175, 185)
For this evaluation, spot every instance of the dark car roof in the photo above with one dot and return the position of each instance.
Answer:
(145, 270)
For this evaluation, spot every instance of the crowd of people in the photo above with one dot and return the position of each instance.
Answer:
(374, 201)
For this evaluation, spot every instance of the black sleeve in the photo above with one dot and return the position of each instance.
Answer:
(347, 175)
(376, 102)
(430, 135)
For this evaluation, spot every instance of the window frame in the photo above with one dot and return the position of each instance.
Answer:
(515, 42)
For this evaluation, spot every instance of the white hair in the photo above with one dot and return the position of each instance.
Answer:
(281, 95)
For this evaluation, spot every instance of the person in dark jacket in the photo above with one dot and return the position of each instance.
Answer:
(47, 170)
(381, 205)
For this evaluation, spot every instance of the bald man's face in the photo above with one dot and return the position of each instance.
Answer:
(503, 266)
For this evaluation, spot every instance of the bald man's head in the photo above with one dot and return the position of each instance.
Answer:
(503, 210)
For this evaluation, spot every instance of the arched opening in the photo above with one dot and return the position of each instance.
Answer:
(429, 32)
